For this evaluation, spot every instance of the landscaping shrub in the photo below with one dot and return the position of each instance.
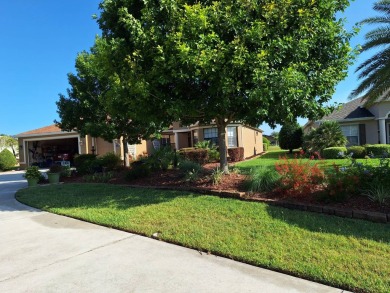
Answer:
(290, 137)
(358, 152)
(161, 159)
(85, 164)
(110, 161)
(342, 183)
(212, 150)
(139, 171)
(236, 154)
(328, 134)
(199, 156)
(299, 176)
(216, 176)
(262, 179)
(98, 177)
(334, 152)
(7, 160)
(186, 166)
(265, 147)
(378, 191)
(378, 150)
(266, 142)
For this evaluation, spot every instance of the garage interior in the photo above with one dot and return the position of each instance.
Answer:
(44, 153)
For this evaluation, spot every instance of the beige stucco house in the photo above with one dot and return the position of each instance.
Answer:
(47, 145)
(237, 135)
(360, 124)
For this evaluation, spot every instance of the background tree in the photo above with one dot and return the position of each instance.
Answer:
(290, 136)
(375, 72)
(94, 104)
(275, 135)
(7, 141)
(328, 134)
(222, 61)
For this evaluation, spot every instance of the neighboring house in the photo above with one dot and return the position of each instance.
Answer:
(359, 124)
(48, 145)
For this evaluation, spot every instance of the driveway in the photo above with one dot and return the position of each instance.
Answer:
(43, 252)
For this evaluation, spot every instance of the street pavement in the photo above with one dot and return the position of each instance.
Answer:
(43, 252)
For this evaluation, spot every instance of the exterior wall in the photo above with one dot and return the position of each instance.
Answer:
(380, 110)
(372, 132)
(102, 146)
(251, 141)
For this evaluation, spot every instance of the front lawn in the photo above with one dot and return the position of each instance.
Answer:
(271, 157)
(346, 253)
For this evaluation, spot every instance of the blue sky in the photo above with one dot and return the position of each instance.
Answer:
(40, 41)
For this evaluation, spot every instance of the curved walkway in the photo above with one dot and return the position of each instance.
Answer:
(43, 252)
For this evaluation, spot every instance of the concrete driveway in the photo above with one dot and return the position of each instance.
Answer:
(42, 252)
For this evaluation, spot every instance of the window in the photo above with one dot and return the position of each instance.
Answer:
(232, 137)
(211, 134)
(351, 132)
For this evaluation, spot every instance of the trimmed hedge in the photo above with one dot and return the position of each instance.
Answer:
(378, 150)
(85, 163)
(358, 152)
(236, 154)
(7, 160)
(200, 156)
(334, 152)
(265, 147)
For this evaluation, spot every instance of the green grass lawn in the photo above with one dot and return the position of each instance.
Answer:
(273, 155)
(345, 253)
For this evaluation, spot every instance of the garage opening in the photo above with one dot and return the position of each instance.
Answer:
(44, 153)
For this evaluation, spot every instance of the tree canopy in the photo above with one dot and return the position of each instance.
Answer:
(223, 61)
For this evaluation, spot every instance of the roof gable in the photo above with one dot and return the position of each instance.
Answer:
(42, 131)
(352, 110)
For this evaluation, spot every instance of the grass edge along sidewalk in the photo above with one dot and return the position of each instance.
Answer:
(345, 253)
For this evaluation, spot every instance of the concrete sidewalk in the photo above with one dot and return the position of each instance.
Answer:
(43, 252)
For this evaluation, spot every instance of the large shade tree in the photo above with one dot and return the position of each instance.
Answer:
(252, 61)
(222, 61)
(375, 71)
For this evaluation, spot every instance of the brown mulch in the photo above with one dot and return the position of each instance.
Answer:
(236, 183)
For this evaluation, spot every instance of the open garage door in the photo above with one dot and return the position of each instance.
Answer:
(46, 152)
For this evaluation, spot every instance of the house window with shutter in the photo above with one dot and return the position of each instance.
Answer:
(351, 132)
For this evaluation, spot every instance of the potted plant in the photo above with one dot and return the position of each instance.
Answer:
(32, 175)
(54, 174)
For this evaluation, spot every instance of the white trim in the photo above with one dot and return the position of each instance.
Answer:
(44, 134)
(351, 119)
(53, 138)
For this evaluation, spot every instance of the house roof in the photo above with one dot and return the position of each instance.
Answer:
(352, 110)
(51, 129)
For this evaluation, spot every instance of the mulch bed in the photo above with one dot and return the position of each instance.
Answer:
(174, 179)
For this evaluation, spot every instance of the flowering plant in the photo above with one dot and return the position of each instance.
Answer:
(299, 176)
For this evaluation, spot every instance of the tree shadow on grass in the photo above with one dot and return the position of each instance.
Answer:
(95, 196)
(323, 223)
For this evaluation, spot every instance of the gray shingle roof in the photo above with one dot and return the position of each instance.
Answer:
(351, 110)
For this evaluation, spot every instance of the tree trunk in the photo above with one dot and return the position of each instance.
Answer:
(126, 161)
(223, 163)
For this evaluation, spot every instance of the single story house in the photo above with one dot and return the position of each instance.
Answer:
(237, 135)
(360, 124)
(47, 145)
